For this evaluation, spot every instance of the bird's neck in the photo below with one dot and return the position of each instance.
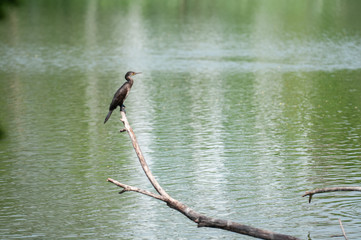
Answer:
(130, 80)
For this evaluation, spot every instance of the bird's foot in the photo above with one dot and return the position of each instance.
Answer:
(123, 109)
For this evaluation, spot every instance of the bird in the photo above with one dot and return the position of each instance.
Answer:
(121, 94)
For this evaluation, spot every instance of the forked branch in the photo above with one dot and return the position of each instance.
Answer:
(200, 219)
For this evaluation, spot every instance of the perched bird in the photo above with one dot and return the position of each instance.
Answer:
(121, 94)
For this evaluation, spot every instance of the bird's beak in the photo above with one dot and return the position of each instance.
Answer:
(137, 73)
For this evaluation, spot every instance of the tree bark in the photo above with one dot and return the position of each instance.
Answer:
(200, 219)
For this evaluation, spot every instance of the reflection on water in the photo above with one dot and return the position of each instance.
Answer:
(242, 106)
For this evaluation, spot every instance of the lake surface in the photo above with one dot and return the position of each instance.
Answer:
(241, 107)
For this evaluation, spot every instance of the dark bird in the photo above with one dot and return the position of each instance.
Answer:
(121, 94)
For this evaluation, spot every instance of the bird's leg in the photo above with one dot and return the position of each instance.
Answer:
(122, 108)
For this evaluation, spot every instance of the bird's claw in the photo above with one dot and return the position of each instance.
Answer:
(123, 109)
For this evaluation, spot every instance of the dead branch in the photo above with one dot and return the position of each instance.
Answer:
(331, 189)
(127, 188)
(342, 229)
(200, 219)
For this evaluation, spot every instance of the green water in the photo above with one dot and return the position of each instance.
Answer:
(241, 107)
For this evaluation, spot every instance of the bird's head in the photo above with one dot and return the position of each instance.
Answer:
(130, 73)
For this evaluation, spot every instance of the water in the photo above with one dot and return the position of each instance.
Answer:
(241, 108)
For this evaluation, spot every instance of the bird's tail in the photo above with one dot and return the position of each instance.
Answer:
(108, 116)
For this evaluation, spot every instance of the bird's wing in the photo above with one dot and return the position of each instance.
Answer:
(119, 97)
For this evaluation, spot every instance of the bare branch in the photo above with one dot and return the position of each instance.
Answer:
(331, 189)
(139, 153)
(200, 219)
(343, 230)
(127, 188)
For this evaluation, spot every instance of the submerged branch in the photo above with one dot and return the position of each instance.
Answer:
(331, 189)
(342, 229)
(200, 219)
